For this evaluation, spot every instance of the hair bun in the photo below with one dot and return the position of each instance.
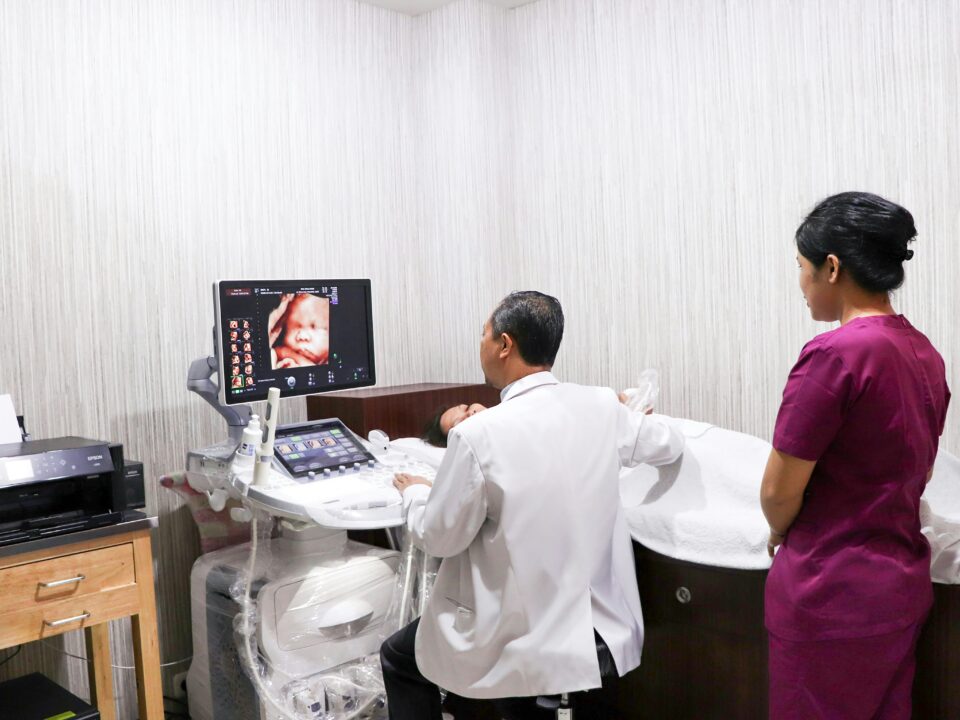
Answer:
(907, 255)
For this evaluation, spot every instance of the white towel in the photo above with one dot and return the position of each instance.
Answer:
(704, 508)
(940, 519)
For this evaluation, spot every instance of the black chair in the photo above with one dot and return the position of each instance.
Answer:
(561, 705)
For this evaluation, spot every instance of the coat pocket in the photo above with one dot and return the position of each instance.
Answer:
(463, 615)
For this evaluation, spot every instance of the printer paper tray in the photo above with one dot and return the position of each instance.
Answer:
(31, 532)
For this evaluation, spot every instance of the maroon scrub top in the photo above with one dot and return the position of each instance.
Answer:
(867, 402)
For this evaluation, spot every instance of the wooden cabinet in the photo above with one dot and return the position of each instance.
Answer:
(399, 410)
(936, 692)
(705, 645)
(83, 584)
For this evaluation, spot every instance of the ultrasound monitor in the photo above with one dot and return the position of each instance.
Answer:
(302, 336)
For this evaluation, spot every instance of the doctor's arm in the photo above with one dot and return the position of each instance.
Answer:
(444, 520)
(650, 439)
(781, 493)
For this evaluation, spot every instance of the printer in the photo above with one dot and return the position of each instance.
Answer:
(63, 485)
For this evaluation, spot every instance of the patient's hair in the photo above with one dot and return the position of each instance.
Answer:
(868, 234)
(432, 432)
(534, 321)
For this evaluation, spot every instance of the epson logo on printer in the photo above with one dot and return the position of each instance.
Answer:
(91, 458)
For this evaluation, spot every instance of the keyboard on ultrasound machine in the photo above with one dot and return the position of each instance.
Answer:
(360, 496)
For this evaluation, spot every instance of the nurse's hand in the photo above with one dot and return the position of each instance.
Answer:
(774, 541)
(401, 481)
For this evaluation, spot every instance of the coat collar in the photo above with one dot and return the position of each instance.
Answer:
(518, 387)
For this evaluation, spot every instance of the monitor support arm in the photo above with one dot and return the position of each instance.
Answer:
(200, 381)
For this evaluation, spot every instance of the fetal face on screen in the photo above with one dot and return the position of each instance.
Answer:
(304, 332)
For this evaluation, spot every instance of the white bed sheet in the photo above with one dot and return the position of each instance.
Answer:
(705, 507)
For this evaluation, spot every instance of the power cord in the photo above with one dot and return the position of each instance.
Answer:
(118, 667)
(11, 656)
(167, 714)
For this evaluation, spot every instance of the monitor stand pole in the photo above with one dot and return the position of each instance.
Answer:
(200, 381)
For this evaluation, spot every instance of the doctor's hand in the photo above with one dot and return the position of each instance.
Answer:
(625, 400)
(401, 481)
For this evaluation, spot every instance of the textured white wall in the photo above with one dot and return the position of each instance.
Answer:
(147, 149)
(645, 160)
(648, 162)
(664, 153)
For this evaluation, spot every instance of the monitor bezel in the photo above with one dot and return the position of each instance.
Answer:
(225, 398)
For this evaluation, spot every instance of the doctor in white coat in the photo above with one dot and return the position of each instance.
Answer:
(537, 584)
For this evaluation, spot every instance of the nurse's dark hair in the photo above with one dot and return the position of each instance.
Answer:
(868, 234)
(432, 432)
(534, 321)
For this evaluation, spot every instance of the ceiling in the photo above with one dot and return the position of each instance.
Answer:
(417, 7)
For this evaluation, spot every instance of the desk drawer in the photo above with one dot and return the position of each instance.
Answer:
(73, 576)
(55, 618)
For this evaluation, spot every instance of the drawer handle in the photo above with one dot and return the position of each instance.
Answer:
(58, 583)
(66, 621)
(683, 595)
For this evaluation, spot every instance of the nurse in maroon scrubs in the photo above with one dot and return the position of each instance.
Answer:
(854, 445)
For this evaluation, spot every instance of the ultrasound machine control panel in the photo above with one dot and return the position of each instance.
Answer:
(325, 474)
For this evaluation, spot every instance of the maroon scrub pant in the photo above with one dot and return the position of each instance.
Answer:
(857, 679)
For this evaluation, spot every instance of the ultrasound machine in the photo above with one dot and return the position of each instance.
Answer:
(289, 625)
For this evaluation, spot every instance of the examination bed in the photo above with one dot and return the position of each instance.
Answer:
(700, 549)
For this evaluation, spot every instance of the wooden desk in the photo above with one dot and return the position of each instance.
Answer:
(84, 580)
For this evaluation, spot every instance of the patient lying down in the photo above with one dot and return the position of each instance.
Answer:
(449, 416)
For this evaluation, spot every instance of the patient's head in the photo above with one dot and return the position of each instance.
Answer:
(447, 418)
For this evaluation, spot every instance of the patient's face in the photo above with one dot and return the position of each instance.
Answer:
(457, 414)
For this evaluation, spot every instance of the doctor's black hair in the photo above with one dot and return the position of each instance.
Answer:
(867, 233)
(534, 321)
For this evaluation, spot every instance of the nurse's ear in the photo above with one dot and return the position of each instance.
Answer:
(833, 269)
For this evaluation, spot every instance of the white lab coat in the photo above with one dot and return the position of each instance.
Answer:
(526, 513)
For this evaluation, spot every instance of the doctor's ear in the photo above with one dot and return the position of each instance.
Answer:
(506, 345)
